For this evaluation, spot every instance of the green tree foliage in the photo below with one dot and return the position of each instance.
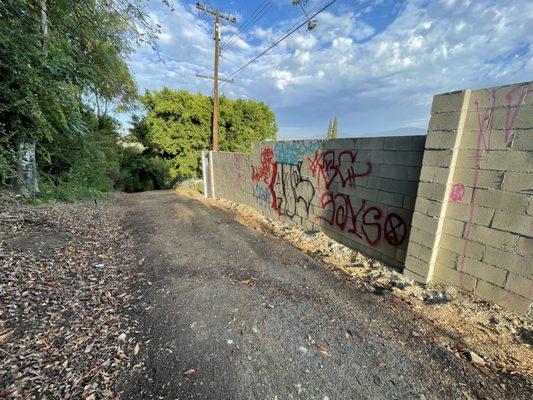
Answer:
(141, 172)
(177, 126)
(57, 89)
(332, 129)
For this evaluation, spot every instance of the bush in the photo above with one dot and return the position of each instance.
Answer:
(141, 172)
(7, 157)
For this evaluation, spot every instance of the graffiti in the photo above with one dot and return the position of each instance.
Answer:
(458, 192)
(238, 163)
(261, 194)
(288, 191)
(511, 115)
(327, 167)
(395, 229)
(288, 188)
(263, 172)
(485, 122)
(371, 229)
(294, 152)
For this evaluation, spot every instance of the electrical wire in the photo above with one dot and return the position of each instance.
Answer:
(247, 22)
(280, 40)
(250, 23)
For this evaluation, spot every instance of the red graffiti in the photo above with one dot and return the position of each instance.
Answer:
(326, 167)
(371, 228)
(395, 229)
(458, 192)
(263, 172)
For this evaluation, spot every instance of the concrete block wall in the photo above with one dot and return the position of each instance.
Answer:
(360, 192)
(473, 220)
(455, 206)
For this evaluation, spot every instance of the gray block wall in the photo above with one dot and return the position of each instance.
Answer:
(473, 221)
(361, 192)
(455, 206)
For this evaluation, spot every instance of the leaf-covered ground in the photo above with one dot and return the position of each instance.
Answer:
(65, 271)
(164, 295)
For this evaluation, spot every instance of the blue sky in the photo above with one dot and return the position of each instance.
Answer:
(375, 64)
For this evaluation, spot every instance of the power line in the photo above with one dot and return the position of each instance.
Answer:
(250, 23)
(280, 40)
(246, 22)
(218, 18)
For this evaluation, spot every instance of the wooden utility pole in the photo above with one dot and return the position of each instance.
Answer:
(215, 78)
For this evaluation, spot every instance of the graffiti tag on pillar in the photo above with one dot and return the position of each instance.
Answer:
(458, 192)
(485, 122)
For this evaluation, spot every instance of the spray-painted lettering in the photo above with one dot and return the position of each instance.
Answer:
(289, 188)
(263, 173)
(373, 227)
(327, 166)
(261, 194)
(295, 151)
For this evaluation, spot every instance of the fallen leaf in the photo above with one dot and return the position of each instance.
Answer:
(137, 349)
(476, 359)
(324, 351)
(4, 336)
(189, 372)
(467, 395)
(246, 281)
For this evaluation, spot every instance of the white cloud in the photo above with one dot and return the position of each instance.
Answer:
(373, 78)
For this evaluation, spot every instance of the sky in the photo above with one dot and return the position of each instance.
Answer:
(375, 64)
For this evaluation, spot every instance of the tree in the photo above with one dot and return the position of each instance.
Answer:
(177, 126)
(56, 58)
(332, 129)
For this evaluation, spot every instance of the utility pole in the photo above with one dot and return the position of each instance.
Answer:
(215, 78)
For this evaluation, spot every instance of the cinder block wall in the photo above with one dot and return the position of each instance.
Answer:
(473, 220)
(469, 183)
(361, 192)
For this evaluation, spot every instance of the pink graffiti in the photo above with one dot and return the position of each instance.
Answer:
(238, 163)
(484, 139)
(511, 116)
(458, 192)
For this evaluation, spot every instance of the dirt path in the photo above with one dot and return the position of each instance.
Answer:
(228, 313)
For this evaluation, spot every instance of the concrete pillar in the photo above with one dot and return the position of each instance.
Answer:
(448, 116)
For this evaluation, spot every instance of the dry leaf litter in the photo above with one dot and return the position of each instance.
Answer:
(64, 279)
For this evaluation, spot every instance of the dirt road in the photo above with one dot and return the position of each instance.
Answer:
(228, 313)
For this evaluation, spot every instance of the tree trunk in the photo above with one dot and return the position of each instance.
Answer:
(27, 182)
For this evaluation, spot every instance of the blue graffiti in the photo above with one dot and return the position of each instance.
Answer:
(261, 194)
(294, 151)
